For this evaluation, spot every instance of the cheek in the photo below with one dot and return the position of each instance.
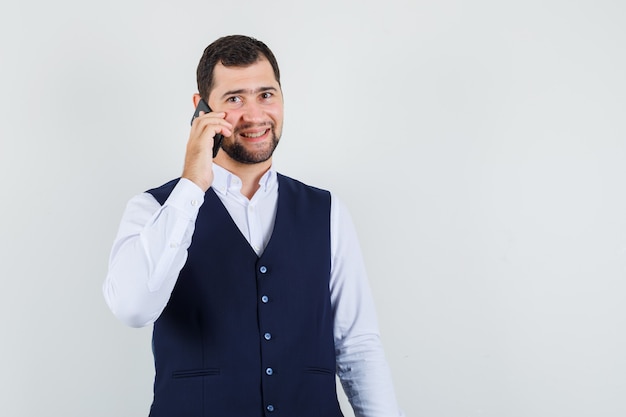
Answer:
(233, 117)
(276, 114)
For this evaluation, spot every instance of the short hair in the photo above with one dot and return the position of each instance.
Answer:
(231, 51)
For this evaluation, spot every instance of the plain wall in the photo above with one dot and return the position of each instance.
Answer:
(480, 145)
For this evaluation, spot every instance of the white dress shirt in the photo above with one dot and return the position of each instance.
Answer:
(151, 248)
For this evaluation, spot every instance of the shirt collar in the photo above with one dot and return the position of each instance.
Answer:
(225, 181)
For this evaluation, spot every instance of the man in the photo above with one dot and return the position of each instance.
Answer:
(254, 281)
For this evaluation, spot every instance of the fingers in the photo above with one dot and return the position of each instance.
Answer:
(210, 124)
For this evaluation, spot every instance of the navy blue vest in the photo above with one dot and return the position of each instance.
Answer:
(249, 336)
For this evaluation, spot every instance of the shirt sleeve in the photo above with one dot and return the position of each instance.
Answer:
(148, 253)
(361, 364)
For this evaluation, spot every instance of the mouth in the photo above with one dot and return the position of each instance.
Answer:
(256, 135)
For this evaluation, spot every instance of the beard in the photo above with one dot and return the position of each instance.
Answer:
(256, 153)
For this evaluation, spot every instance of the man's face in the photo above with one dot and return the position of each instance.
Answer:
(253, 102)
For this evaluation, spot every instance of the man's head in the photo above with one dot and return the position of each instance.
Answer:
(239, 76)
(231, 51)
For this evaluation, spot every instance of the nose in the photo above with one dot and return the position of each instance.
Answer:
(253, 112)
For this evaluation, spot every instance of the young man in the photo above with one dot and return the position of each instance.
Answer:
(254, 281)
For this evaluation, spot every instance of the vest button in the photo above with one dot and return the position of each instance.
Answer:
(269, 371)
(270, 408)
(263, 269)
(265, 299)
(267, 336)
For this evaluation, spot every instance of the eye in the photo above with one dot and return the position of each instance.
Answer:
(233, 99)
(267, 95)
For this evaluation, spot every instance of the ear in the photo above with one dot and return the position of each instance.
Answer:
(196, 100)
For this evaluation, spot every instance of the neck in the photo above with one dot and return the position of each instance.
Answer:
(249, 174)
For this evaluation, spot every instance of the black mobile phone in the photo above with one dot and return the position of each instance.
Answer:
(217, 139)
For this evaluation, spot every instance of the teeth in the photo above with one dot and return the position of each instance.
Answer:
(254, 135)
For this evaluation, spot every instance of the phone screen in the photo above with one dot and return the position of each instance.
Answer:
(217, 139)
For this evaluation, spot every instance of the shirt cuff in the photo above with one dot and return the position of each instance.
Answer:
(186, 197)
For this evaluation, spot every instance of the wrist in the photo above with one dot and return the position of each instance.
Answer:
(202, 183)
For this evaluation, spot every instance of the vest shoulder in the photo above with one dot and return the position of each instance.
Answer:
(163, 192)
(299, 186)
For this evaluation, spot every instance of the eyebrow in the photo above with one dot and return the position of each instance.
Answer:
(248, 91)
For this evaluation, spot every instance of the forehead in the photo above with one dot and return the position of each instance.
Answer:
(259, 74)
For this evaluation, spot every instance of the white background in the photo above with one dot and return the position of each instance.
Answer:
(480, 145)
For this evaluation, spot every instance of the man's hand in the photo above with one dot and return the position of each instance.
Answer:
(199, 157)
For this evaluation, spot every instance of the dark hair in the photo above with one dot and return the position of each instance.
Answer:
(231, 51)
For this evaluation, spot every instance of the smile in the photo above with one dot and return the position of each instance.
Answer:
(254, 135)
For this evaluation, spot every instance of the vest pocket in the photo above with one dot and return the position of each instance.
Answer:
(317, 370)
(192, 373)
